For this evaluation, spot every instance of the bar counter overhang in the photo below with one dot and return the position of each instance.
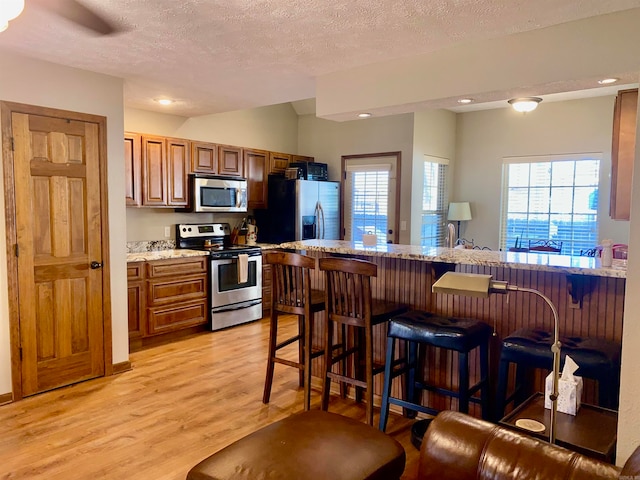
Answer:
(589, 297)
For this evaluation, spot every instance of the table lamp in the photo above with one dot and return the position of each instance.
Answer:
(477, 285)
(458, 212)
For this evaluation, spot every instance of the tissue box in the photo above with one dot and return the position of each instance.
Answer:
(570, 394)
(369, 239)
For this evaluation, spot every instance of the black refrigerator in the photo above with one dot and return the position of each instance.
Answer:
(299, 210)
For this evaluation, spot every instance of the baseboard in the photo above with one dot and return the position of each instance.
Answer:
(121, 367)
(6, 398)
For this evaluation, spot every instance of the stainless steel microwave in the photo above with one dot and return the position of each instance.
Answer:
(217, 194)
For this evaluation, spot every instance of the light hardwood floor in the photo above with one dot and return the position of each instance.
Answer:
(180, 403)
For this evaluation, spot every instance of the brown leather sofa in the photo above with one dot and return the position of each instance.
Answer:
(459, 447)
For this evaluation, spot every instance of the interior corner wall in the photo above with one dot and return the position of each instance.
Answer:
(35, 82)
(485, 137)
(273, 128)
(327, 141)
(434, 134)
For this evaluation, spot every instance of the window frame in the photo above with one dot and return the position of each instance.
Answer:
(442, 200)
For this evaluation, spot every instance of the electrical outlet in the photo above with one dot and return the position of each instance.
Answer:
(167, 232)
(403, 225)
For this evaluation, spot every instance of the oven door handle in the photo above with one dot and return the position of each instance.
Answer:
(240, 306)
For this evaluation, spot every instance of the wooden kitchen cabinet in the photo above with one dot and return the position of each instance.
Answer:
(132, 169)
(278, 162)
(230, 161)
(154, 171)
(136, 300)
(623, 153)
(256, 164)
(204, 157)
(301, 158)
(178, 155)
(166, 298)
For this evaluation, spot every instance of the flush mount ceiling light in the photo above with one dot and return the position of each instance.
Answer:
(464, 101)
(364, 115)
(164, 101)
(525, 104)
(607, 81)
(9, 9)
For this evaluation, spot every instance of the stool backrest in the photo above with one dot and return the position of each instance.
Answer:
(291, 281)
(348, 289)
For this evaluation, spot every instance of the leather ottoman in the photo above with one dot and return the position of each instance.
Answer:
(309, 445)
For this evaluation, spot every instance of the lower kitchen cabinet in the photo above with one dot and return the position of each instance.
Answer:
(165, 297)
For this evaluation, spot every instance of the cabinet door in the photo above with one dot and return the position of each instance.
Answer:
(154, 171)
(229, 160)
(132, 169)
(204, 157)
(623, 153)
(278, 162)
(255, 170)
(136, 300)
(178, 155)
(266, 290)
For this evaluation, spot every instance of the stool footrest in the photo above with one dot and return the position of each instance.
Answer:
(289, 363)
(288, 341)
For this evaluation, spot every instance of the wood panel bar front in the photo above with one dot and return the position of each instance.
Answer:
(409, 281)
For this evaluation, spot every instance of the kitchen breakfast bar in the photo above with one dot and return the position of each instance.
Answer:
(589, 298)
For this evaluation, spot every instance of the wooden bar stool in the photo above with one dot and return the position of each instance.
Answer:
(292, 294)
(349, 304)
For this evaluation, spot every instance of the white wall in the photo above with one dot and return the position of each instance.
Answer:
(434, 134)
(273, 128)
(40, 83)
(484, 138)
(328, 141)
(629, 413)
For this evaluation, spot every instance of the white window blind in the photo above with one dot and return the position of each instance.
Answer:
(367, 201)
(551, 198)
(434, 202)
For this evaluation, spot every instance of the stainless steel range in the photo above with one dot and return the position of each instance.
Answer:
(235, 273)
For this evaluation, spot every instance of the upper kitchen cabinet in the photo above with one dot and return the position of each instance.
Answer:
(301, 158)
(230, 161)
(178, 154)
(204, 157)
(165, 163)
(623, 153)
(256, 163)
(278, 162)
(132, 169)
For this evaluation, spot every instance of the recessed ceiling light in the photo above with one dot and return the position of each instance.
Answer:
(607, 81)
(164, 101)
(364, 115)
(465, 100)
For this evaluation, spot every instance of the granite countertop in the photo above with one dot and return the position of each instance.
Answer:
(523, 261)
(151, 251)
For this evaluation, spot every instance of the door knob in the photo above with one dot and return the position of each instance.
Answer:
(95, 265)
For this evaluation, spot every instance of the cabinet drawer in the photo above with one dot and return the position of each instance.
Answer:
(177, 317)
(177, 267)
(160, 292)
(135, 271)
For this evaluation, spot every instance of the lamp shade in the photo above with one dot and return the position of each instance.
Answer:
(459, 211)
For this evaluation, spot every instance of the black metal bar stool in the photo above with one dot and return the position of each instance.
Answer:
(459, 334)
(530, 349)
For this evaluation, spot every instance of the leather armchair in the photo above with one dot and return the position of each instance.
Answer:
(459, 447)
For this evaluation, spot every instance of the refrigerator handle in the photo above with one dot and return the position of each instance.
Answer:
(316, 213)
(322, 215)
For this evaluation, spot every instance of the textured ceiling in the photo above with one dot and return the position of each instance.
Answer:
(220, 55)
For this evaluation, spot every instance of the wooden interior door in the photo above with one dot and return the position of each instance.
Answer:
(58, 222)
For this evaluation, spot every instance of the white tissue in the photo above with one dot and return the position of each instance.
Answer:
(569, 388)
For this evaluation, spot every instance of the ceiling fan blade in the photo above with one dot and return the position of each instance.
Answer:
(76, 12)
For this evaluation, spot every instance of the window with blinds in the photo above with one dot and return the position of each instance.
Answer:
(551, 198)
(434, 202)
(367, 201)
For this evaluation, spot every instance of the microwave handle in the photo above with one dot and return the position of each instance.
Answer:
(241, 193)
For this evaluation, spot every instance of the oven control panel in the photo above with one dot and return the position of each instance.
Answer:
(203, 230)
